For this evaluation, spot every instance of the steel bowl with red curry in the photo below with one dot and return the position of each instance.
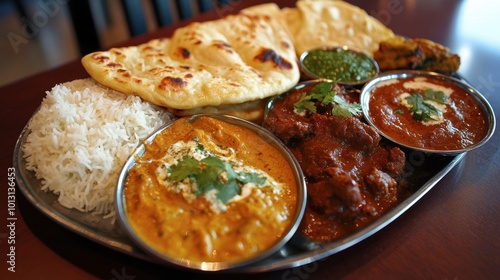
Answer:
(352, 177)
(427, 111)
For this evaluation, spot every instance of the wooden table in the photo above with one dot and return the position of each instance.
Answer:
(451, 233)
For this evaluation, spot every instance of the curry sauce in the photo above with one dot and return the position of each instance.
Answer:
(189, 227)
(427, 113)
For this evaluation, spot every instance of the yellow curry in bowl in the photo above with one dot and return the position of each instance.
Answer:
(211, 192)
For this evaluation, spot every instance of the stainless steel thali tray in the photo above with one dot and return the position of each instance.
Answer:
(422, 173)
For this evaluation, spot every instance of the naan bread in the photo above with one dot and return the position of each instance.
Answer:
(327, 23)
(240, 59)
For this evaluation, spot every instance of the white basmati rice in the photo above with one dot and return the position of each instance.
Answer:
(80, 138)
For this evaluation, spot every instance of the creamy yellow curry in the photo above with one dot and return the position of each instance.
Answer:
(207, 190)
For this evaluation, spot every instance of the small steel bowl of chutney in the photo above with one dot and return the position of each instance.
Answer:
(340, 64)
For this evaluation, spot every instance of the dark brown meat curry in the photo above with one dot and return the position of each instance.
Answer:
(351, 178)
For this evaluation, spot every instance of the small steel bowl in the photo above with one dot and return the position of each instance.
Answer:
(120, 201)
(366, 95)
(311, 75)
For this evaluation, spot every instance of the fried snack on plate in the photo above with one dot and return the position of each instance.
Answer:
(417, 54)
(226, 66)
(326, 23)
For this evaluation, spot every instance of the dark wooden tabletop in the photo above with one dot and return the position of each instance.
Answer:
(451, 233)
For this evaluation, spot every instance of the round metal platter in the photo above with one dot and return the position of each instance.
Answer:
(298, 251)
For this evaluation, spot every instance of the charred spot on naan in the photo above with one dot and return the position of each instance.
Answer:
(223, 46)
(118, 53)
(193, 36)
(114, 65)
(257, 20)
(184, 53)
(124, 73)
(149, 48)
(286, 45)
(172, 83)
(161, 70)
(181, 53)
(101, 59)
(279, 62)
(120, 81)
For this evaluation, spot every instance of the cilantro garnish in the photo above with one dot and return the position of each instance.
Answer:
(438, 96)
(324, 94)
(421, 110)
(399, 111)
(199, 147)
(184, 168)
(305, 104)
(213, 173)
(342, 108)
(251, 177)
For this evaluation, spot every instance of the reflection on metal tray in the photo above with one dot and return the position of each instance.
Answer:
(422, 173)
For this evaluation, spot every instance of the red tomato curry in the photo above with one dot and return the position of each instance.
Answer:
(427, 113)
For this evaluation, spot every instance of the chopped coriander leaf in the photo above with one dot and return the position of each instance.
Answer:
(345, 109)
(421, 111)
(437, 96)
(228, 191)
(187, 166)
(324, 94)
(304, 104)
(213, 173)
(212, 169)
(251, 178)
(399, 111)
(199, 146)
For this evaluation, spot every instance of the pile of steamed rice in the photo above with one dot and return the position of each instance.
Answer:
(80, 138)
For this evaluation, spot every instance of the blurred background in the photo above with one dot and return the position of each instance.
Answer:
(37, 35)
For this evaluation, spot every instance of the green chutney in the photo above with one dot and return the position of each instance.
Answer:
(340, 65)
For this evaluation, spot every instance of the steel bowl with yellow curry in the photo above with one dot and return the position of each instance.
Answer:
(211, 193)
